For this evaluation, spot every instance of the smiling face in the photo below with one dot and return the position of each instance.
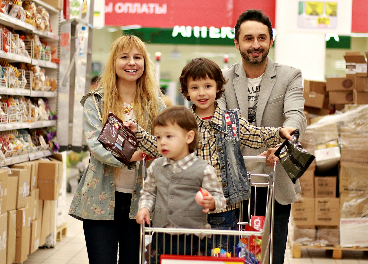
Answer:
(173, 141)
(254, 42)
(129, 66)
(202, 93)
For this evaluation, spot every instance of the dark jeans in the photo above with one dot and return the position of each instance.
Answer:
(224, 221)
(189, 245)
(103, 236)
(281, 221)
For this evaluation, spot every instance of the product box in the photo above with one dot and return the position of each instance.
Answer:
(351, 177)
(354, 232)
(354, 144)
(327, 211)
(355, 64)
(303, 212)
(360, 97)
(325, 187)
(353, 204)
(327, 158)
(341, 97)
(307, 184)
(313, 99)
(35, 235)
(23, 185)
(12, 234)
(11, 202)
(45, 222)
(58, 4)
(315, 86)
(48, 179)
(3, 236)
(3, 190)
(303, 235)
(31, 166)
(317, 111)
(328, 235)
(361, 84)
(340, 83)
(23, 235)
(36, 194)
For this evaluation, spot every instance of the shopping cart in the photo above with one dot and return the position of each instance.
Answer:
(246, 245)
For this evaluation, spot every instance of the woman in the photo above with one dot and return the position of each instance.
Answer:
(107, 197)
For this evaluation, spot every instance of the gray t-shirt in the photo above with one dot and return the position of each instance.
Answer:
(253, 93)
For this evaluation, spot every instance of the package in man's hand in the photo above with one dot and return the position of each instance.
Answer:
(293, 157)
(118, 139)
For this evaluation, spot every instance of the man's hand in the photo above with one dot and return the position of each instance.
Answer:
(143, 216)
(271, 158)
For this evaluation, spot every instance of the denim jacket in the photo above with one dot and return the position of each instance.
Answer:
(95, 196)
(234, 175)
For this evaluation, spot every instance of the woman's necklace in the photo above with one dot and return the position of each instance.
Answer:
(127, 108)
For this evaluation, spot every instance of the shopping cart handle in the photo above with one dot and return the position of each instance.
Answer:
(255, 158)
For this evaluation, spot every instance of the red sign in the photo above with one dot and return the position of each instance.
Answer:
(170, 13)
(359, 20)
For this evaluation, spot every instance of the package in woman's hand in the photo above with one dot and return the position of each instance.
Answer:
(118, 139)
(293, 157)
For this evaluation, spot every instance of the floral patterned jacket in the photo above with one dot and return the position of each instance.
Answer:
(95, 196)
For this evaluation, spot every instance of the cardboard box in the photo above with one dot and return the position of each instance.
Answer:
(11, 202)
(23, 235)
(303, 235)
(303, 212)
(340, 83)
(3, 236)
(315, 86)
(354, 232)
(351, 177)
(12, 234)
(313, 99)
(307, 184)
(35, 235)
(361, 84)
(327, 158)
(356, 64)
(45, 222)
(58, 4)
(328, 235)
(327, 211)
(31, 166)
(48, 179)
(354, 144)
(23, 185)
(316, 111)
(360, 97)
(353, 204)
(35, 213)
(3, 190)
(325, 187)
(341, 97)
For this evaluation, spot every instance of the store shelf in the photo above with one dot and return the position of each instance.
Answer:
(24, 125)
(25, 157)
(11, 57)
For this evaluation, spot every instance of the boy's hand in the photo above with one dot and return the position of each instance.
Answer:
(137, 155)
(143, 216)
(205, 199)
(285, 132)
(131, 125)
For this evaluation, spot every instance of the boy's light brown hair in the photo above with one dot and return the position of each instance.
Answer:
(202, 68)
(181, 116)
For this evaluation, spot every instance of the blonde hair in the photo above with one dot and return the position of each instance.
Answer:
(146, 96)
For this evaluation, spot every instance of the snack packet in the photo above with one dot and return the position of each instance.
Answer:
(118, 139)
(293, 157)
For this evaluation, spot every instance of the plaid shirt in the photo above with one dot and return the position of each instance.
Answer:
(210, 183)
(250, 136)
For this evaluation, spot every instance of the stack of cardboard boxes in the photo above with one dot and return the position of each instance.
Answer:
(28, 192)
(333, 208)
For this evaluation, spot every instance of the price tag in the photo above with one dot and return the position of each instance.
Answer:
(323, 21)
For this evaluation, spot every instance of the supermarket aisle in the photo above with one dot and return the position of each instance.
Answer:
(72, 250)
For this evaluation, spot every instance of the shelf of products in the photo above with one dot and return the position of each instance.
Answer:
(29, 43)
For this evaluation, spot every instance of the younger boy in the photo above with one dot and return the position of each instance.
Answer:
(174, 179)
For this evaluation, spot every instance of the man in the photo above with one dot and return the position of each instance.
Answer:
(269, 94)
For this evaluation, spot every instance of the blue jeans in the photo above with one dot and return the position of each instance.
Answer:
(103, 236)
(224, 221)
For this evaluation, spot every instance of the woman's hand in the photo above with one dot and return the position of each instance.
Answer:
(131, 125)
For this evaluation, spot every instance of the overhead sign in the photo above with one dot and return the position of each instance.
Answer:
(170, 13)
